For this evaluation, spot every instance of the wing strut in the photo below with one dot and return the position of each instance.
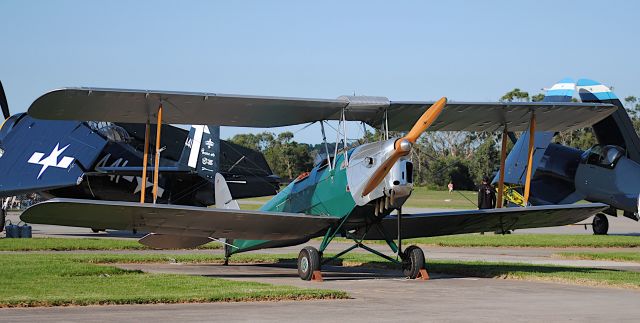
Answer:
(503, 157)
(145, 159)
(527, 183)
(156, 170)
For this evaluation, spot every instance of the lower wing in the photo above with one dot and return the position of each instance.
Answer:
(488, 220)
(177, 220)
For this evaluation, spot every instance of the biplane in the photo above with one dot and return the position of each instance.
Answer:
(354, 192)
(608, 172)
(103, 161)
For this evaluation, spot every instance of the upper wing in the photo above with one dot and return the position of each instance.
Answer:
(491, 220)
(176, 220)
(492, 116)
(138, 106)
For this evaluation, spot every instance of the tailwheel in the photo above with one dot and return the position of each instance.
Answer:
(600, 224)
(308, 262)
(413, 262)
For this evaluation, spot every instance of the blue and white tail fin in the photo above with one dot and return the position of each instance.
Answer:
(201, 151)
(616, 129)
(516, 163)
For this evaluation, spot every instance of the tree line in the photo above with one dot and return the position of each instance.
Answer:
(439, 157)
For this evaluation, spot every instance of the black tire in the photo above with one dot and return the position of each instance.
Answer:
(600, 224)
(95, 230)
(413, 261)
(3, 218)
(308, 262)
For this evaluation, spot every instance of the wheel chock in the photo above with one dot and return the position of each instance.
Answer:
(316, 276)
(423, 275)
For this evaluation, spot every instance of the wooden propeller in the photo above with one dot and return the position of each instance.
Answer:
(404, 144)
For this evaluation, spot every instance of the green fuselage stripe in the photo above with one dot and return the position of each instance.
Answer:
(323, 193)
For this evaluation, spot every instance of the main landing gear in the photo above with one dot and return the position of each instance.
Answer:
(600, 224)
(411, 260)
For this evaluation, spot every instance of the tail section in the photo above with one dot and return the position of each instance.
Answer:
(202, 150)
(224, 200)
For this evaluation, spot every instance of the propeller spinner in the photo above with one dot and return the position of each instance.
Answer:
(404, 145)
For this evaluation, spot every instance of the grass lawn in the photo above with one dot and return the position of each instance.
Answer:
(531, 241)
(522, 241)
(426, 198)
(60, 244)
(420, 198)
(614, 256)
(77, 279)
(53, 280)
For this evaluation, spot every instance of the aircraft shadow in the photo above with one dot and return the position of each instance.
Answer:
(289, 270)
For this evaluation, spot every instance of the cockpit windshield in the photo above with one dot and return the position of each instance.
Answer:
(111, 131)
(603, 156)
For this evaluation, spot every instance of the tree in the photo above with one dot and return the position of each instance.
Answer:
(286, 157)
(515, 95)
(538, 97)
(486, 160)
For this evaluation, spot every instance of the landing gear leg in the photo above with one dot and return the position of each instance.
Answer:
(413, 264)
(3, 217)
(600, 224)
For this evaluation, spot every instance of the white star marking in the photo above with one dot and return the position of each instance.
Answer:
(51, 160)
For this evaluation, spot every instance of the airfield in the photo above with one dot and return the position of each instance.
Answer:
(375, 294)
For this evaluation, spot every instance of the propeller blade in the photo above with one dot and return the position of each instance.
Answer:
(427, 118)
(403, 145)
(3, 103)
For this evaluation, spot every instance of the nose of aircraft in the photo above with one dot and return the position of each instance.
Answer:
(403, 145)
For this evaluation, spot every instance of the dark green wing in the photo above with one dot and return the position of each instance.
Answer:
(492, 220)
(177, 220)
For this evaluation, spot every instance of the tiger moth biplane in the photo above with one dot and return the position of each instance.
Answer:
(351, 193)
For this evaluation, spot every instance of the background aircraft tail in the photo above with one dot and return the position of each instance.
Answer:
(616, 129)
(201, 152)
(246, 171)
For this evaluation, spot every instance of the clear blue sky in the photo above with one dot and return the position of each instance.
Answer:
(404, 50)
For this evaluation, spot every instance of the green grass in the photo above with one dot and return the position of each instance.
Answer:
(614, 256)
(531, 241)
(65, 244)
(491, 240)
(421, 197)
(53, 280)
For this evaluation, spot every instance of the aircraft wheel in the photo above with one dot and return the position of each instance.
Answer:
(94, 230)
(308, 262)
(413, 261)
(600, 224)
(3, 217)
